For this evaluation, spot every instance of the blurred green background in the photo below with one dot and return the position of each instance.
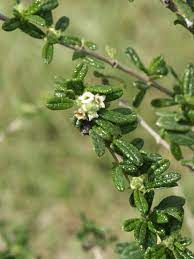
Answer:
(48, 172)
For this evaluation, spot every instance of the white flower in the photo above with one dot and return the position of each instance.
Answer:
(80, 114)
(100, 100)
(92, 115)
(86, 98)
(189, 23)
(89, 105)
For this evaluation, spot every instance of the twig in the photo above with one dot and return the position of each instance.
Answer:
(115, 64)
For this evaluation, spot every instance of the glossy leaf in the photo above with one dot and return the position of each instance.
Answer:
(176, 151)
(47, 53)
(130, 52)
(158, 67)
(140, 232)
(160, 166)
(130, 224)
(140, 202)
(36, 19)
(118, 117)
(113, 129)
(32, 30)
(137, 100)
(98, 143)
(59, 103)
(80, 71)
(105, 135)
(188, 81)
(11, 24)
(129, 151)
(155, 252)
(118, 178)
(163, 102)
(62, 24)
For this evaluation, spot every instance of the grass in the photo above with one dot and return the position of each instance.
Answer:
(49, 173)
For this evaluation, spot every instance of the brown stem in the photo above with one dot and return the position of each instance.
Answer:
(115, 64)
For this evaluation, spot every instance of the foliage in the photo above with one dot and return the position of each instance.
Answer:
(157, 230)
(15, 243)
(91, 235)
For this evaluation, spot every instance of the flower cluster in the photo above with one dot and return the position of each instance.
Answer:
(89, 105)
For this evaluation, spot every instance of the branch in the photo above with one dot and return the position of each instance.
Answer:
(189, 220)
(115, 64)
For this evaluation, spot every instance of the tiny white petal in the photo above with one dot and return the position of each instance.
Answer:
(80, 114)
(87, 97)
(92, 115)
(189, 23)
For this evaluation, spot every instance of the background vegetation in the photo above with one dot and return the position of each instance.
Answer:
(48, 174)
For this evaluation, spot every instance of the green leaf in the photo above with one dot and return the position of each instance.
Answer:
(128, 167)
(11, 24)
(100, 89)
(129, 250)
(140, 202)
(129, 151)
(170, 123)
(171, 201)
(176, 151)
(158, 67)
(160, 217)
(94, 63)
(102, 133)
(140, 232)
(138, 143)
(32, 30)
(111, 92)
(188, 81)
(165, 180)
(137, 100)
(118, 117)
(41, 5)
(70, 40)
(98, 143)
(80, 71)
(160, 166)
(59, 103)
(151, 239)
(150, 157)
(155, 252)
(130, 224)
(149, 196)
(62, 24)
(36, 20)
(130, 52)
(186, 138)
(162, 102)
(47, 53)
(113, 129)
(47, 16)
(118, 178)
